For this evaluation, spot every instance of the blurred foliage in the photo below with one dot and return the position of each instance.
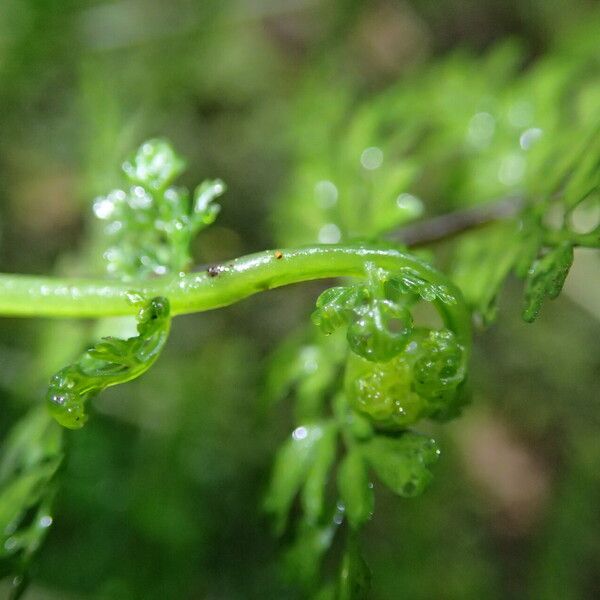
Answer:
(372, 114)
(31, 457)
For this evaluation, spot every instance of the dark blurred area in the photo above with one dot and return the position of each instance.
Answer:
(161, 494)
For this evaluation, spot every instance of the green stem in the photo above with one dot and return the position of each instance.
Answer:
(219, 286)
(585, 240)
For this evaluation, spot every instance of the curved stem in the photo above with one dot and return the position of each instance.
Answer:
(218, 286)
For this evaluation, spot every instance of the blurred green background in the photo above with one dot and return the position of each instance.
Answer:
(328, 120)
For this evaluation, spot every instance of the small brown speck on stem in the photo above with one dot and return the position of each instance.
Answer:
(278, 254)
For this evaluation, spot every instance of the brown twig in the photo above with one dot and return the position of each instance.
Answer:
(443, 227)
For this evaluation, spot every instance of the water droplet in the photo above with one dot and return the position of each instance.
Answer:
(430, 444)
(371, 158)
(481, 129)
(103, 208)
(10, 543)
(46, 521)
(139, 199)
(529, 137)
(134, 297)
(58, 399)
(326, 194)
(113, 227)
(218, 187)
(329, 234)
(410, 204)
(300, 433)
(308, 357)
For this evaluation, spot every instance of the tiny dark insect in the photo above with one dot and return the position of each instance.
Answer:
(213, 271)
(278, 254)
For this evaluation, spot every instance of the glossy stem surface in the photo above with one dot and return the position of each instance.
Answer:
(220, 285)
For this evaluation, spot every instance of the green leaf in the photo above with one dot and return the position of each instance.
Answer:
(326, 592)
(302, 560)
(307, 366)
(439, 363)
(335, 307)
(313, 492)
(290, 470)
(402, 463)
(149, 227)
(205, 210)
(484, 261)
(426, 380)
(31, 457)
(359, 426)
(585, 175)
(546, 279)
(408, 281)
(383, 392)
(392, 208)
(110, 362)
(34, 439)
(355, 489)
(16, 498)
(155, 165)
(355, 575)
(379, 330)
(376, 313)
